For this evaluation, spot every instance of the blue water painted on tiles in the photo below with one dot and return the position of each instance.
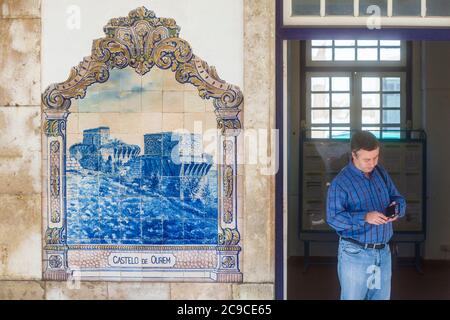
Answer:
(167, 195)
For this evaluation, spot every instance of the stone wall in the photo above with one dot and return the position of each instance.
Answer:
(259, 92)
(20, 143)
(20, 170)
(40, 290)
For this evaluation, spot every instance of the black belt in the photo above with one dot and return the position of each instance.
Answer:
(366, 245)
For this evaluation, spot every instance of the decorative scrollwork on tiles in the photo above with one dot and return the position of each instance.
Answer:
(172, 53)
(55, 236)
(228, 152)
(228, 147)
(55, 261)
(142, 41)
(228, 262)
(138, 15)
(55, 187)
(229, 237)
(228, 210)
(51, 128)
(209, 85)
(89, 71)
(228, 181)
(111, 52)
(225, 125)
(55, 127)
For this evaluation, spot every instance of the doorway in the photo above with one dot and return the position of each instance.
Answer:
(423, 90)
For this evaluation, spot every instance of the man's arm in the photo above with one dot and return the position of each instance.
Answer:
(394, 195)
(337, 215)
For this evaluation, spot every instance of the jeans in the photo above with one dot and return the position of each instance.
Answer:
(364, 274)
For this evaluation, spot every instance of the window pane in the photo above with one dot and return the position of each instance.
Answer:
(371, 100)
(344, 43)
(390, 54)
(406, 8)
(367, 43)
(390, 43)
(340, 100)
(340, 84)
(306, 7)
(320, 100)
(391, 133)
(321, 54)
(339, 7)
(374, 130)
(344, 54)
(365, 4)
(368, 54)
(320, 132)
(321, 43)
(391, 84)
(340, 133)
(391, 100)
(320, 84)
(370, 116)
(370, 84)
(438, 8)
(341, 116)
(391, 116)
(320, 116)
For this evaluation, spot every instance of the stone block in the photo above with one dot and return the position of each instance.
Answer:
(259, 76)
(73, 290)
(20, 150)
(22, 290)
(20, 8)
(253, 292)
(138, 291)
(200, 291)
(20, 62)
(20, 237)
(258, 212)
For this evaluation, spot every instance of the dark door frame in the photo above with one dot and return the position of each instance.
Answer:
(303, 33)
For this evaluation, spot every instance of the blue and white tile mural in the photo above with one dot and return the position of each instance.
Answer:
(116, 195)
(131, 193)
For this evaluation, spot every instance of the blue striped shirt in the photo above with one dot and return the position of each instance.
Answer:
(352, 195)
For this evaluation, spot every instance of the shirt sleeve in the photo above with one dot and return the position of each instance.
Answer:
(338, 217)
(394, 194)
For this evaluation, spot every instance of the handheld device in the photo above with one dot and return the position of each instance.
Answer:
(391, 211)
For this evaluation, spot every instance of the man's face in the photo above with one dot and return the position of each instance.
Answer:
(366, 160)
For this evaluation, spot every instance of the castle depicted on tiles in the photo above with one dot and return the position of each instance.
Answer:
(99, 152)
(166, 154)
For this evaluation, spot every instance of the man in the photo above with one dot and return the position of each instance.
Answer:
(357, 200)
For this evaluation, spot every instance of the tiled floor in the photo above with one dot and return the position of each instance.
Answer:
(321, 282)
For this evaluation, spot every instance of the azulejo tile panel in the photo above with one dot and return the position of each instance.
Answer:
(129, 197)
(116, 195)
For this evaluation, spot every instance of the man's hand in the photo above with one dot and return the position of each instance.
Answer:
(375, 217)
(393, 219)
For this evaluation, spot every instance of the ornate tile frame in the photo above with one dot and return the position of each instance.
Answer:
(140, 41)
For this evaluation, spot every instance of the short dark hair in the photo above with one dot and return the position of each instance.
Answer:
(364, 140)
